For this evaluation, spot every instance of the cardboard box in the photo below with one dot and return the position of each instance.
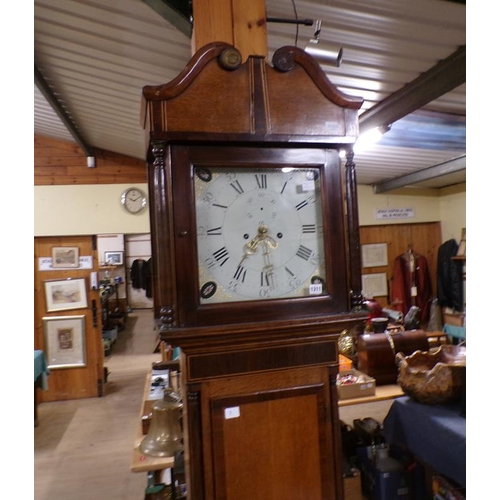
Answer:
(453, 318)
(365, 386)
(344, 363)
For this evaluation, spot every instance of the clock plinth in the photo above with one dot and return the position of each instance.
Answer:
(255, 244)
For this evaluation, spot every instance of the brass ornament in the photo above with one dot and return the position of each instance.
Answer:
(164, 437)
(346, 343)
(230, 58)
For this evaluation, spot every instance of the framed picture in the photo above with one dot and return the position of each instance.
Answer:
(113, 258)
(65, 257)
(61, 295)
(374, 285)
(374, 255)
(64, 341)
(461, 246)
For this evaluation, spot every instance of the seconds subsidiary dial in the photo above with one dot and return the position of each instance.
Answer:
(259, 233)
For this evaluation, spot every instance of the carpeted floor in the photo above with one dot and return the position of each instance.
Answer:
(83, 448)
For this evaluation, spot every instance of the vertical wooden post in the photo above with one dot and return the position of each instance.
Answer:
(241, 23)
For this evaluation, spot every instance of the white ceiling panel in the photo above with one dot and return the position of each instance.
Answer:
(96, 56)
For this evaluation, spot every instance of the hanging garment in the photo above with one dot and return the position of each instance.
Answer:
(411, 272)
(148, 278)
(449, 277)
(137, 274)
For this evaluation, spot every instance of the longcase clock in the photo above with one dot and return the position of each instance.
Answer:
(256, 266)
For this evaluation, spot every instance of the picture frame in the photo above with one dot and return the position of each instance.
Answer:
(374, 255)
(65, 257)
(462, 244)
(62, 295)
(374, 285)
(113, 258)
(64, 341)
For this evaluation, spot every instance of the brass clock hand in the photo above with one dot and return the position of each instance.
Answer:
(269, 243)
(251, 247)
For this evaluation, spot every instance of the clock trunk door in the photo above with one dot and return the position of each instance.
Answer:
(297, 452)
(259, 234)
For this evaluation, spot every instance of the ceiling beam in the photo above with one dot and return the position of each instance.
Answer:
(177, 12)
(440, 79)
(47, 92)
(445, 168)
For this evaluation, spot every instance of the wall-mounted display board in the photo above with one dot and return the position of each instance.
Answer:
(424, 238)
(68, 320)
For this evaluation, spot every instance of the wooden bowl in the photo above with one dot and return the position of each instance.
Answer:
(433, 377)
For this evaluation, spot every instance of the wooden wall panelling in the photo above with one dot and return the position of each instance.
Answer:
(78, 382)
(424, 237)
(59, 162)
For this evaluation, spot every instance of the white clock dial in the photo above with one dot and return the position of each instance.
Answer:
(134, 200)
(259, 233)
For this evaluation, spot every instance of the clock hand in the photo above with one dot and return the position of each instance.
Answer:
(268, 268)
(251, 247)
(269, 243)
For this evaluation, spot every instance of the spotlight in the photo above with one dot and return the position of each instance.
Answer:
(330, 55)
(371, 137)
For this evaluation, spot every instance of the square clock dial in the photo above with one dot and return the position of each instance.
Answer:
(259, 233)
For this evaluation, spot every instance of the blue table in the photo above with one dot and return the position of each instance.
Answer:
(434, 434)
(456, 333)
(41, 377)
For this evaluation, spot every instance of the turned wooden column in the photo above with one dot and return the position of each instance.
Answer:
(353, 230)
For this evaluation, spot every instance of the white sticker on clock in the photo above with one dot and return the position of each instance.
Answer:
(306, 186)
(232, 412)
(316, 289)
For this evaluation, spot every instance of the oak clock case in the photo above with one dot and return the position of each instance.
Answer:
(261, 236)
(133, 200)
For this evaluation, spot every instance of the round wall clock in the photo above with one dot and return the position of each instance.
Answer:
(134, 200)
(259, 233)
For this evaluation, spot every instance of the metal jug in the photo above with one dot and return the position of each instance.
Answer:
(164, 437)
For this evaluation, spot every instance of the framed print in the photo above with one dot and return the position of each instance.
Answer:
(61, 295)
(64, 341)
(374, 255)
(374, 285)
(65, 257)
(113, 258)
(461, 246)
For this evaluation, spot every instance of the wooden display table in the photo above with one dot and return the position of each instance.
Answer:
(141, 462)
(382, 393)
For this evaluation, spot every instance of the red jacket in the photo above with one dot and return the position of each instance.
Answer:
(403, 280)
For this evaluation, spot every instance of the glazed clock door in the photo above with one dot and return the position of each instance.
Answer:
(257, 231)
